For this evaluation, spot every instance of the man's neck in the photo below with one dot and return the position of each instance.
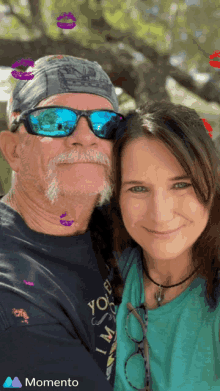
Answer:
(44, 220)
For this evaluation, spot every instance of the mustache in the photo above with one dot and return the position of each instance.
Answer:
(74, 157)
(88, 157)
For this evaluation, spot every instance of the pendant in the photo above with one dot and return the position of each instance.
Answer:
(159, 297)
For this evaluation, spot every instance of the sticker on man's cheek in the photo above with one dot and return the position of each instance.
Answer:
(23, 75)
(66, 25)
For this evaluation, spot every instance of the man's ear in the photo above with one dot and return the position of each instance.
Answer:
(9, 143)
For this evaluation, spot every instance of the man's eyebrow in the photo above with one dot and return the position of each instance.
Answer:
(176, 178)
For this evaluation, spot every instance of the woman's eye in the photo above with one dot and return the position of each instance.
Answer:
(186, 185)
(135, 187)
(183, 183)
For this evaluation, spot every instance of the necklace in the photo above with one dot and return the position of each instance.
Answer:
(158, 296)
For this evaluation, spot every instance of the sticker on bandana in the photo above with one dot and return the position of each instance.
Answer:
(57, 57)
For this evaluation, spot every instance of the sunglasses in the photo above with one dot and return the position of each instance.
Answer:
(59, 121)
(137, 365)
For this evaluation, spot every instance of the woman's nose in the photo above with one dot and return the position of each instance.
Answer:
(162, 206)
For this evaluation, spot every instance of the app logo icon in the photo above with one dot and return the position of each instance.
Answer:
(66, 25)
(12, 384)
(23, 75)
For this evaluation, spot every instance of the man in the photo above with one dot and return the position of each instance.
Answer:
(57, 309)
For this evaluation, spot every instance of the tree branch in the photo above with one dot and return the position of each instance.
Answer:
(20, 18)
(35, 10)
(138, 79)
(199, 47)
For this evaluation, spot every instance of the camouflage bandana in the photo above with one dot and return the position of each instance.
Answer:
(58, 74)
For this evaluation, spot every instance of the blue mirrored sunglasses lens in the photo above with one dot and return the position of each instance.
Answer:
(59, 122)
(104, 123)
(53, 121)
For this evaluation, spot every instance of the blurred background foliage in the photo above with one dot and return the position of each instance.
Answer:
(154, 49)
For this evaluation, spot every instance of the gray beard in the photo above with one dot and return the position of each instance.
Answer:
(106, 191)
(53, 191)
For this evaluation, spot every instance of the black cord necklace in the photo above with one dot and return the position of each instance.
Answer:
(159, 297)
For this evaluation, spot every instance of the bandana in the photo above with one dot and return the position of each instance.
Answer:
(59, 74)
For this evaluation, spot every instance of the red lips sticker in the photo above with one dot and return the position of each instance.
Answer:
(66, 25)
(215, 64)
(23, 75)
(207, 126)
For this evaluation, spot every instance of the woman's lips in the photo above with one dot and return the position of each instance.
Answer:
(164, 235)
(66, 25)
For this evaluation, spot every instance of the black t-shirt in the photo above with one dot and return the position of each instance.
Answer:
(57, 314)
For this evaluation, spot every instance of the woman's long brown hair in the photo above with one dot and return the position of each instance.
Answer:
(184, 134)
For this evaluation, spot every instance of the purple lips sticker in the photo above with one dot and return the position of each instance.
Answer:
(23, 75)
(28, 282)
(66, 25)
(65, 222)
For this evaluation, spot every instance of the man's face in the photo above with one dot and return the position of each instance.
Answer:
(43, 159)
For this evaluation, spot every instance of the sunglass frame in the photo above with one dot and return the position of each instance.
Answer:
(24, 118)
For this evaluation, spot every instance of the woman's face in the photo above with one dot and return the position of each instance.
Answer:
(158, 202)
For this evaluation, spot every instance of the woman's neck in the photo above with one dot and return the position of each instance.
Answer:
(170, 272)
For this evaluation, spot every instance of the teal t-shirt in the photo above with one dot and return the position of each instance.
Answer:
(183, 335)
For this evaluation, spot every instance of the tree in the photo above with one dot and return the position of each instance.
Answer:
(133, 40)
(113, 32)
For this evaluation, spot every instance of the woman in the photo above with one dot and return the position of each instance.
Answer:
(171, 279)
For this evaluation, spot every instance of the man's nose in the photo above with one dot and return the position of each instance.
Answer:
(82, 133)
